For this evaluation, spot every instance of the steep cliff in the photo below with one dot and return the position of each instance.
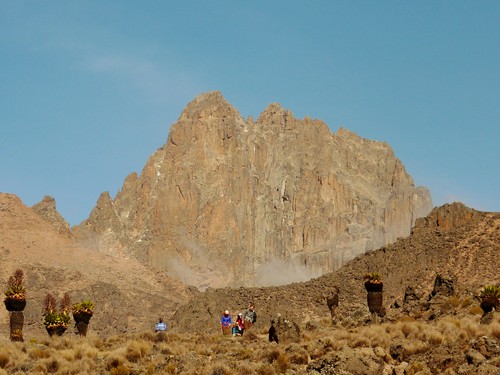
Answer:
(226, 197)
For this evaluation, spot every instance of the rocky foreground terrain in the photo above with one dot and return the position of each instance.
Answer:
(226, 198)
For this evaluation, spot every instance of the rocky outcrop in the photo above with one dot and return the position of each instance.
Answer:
(226, 199)
(46, 208)
(448, 217)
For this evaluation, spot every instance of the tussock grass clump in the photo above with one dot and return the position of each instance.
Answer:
(115, 360)
(266, 369)
(4, 360)
(282, 363)
(495, 330)
(136, 350)
(49, 365)
(243, 353)
(120, 370)
(270, 356)
(407, 329)
(39, 352)
(476, 310)
(250, 336)
(297, 354)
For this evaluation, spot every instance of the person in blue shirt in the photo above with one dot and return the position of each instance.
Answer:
(226, 322)
(160, 326)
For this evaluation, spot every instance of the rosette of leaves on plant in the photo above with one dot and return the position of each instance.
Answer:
(82, 312)
(56, 321)
(15, 295)
(490, 298)
(85, 307)
(373, 282)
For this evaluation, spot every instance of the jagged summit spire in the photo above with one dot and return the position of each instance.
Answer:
(274, 113)
(210, 104)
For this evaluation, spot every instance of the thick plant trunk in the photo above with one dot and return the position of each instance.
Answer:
(16, 326)
(374, 297)
(82, 320)
(333, 302)
(487, 305)
(82, 316)
(375, 302)
(82, 328)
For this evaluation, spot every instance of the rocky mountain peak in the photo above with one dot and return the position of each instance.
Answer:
(209, 106)
(225, 199)
(274, 114)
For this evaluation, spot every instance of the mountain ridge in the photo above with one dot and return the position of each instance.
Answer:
(54, 263)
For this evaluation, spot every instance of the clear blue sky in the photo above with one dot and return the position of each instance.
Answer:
(89, 89)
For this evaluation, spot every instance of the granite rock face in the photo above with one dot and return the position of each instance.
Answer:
(226, 200)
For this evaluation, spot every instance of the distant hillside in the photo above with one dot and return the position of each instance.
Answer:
(226, 200)
(128, 296)
(455, 241)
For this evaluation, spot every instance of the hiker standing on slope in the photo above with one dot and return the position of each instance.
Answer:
(249, 316)
(226, 322)
(160, 326)
(239, 326)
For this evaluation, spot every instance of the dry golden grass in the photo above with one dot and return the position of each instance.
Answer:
(169, 353)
